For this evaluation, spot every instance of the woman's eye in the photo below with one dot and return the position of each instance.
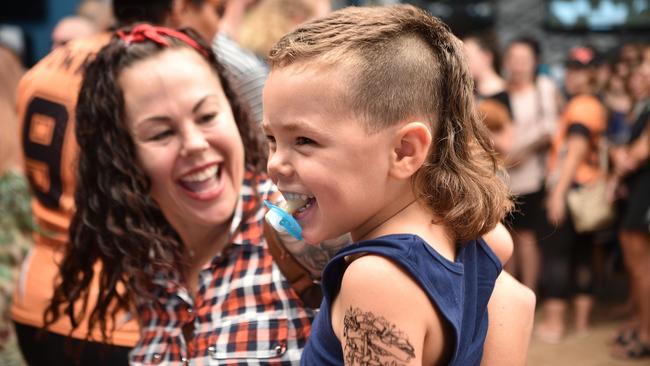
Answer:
(161, 135)
(207, 118)
(304, 141)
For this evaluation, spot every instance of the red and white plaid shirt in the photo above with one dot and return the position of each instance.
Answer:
(244, 312)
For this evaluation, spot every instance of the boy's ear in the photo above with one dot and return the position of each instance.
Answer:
(411, 148)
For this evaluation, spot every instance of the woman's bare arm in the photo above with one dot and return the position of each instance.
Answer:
(510, 312)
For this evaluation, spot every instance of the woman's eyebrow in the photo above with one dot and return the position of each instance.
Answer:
(198, 105)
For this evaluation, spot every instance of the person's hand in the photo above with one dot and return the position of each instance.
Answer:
(514, 158)
(622, 162)
(611, 188)
(556, 208)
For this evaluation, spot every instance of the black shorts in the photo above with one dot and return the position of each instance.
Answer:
(46, 348)
(528, 213)
(635, 214)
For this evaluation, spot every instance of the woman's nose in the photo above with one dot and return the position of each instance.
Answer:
(193, 141)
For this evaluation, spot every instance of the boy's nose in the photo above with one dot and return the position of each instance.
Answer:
(279, 166)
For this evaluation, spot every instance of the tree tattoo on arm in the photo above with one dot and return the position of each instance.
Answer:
(371, 340)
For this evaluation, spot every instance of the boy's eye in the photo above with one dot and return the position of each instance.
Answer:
(304, 141)
(270, 139)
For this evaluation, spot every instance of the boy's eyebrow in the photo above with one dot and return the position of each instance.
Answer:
(296, 125)
(292, 126)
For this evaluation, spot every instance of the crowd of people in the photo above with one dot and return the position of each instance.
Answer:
(556, 138)
(132, 223)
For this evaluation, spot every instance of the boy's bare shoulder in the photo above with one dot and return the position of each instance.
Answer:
(500, 241)
(371, 268)
(376, 287)
(376, 282)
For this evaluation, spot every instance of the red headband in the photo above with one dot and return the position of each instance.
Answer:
(156, 34)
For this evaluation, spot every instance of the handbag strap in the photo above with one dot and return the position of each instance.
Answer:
(301, 281)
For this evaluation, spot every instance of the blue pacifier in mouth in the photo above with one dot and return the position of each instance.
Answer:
(282, 221)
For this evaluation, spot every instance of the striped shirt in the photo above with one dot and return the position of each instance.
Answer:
(244, 312)
(245, 72)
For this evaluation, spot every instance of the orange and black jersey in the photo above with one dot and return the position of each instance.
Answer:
(46, 100)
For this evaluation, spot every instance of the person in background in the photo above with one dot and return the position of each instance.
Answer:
(493, 101)
(499, 122)
(628, 56)
(99, 12)
(269, 20)
(484, 65)
(72, 27)
(15, 214)
(246, 72)
(574, 161)
(604, 71)
(618, 101)
(534, 109)
(631, 165)
(631, 53)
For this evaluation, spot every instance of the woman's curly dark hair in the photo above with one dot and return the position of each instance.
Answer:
(117, 223)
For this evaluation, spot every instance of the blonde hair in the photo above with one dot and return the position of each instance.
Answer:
(270, 20)
(10, 72)
(404, 63)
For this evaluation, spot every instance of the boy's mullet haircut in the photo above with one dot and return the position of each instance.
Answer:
(405, 64)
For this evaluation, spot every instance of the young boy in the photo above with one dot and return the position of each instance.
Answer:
(372, 130)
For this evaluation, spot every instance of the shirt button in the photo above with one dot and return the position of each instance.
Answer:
(184, 360)
(157, 356)
(279, 349)
(212, 350)
(190, 311)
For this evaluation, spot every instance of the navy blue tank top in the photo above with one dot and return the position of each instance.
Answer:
(460, 290)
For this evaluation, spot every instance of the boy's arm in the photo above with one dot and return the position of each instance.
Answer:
(384, 320)
(510, 313)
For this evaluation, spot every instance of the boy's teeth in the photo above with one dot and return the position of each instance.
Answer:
(292, 205)
(306, 206)
(295, 201)
(202, 175)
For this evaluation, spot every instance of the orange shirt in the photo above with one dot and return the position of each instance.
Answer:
(46, 101)
(589, 112)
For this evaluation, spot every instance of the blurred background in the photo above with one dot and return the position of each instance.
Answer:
(558, 24)
(608, 41)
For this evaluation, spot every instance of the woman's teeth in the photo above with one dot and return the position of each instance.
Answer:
(201, 175)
